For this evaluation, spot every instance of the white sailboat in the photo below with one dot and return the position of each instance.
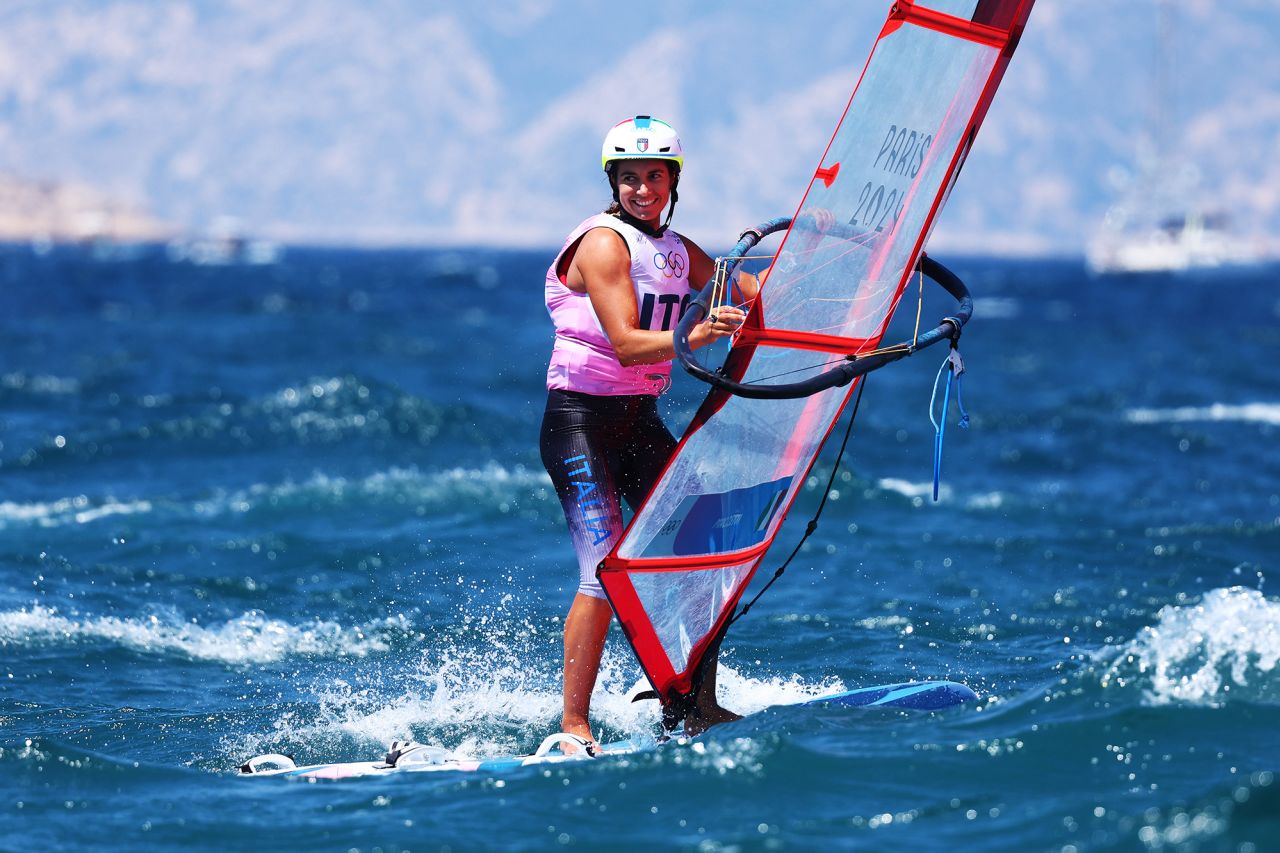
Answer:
(1176, 242)
(1159, 224)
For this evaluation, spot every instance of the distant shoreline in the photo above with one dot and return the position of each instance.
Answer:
(62, 212)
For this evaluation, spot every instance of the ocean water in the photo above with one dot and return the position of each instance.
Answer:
(298, 507)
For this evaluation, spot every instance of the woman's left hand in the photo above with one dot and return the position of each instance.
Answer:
(724, 321)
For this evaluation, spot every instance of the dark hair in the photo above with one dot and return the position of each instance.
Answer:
(615, 208)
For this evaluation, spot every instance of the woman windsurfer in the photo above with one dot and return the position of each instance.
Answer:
(614, 293)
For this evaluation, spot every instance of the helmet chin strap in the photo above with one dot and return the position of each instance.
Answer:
(671, 207)
(641, 225)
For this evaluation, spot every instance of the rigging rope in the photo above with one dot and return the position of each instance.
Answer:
(954, 375)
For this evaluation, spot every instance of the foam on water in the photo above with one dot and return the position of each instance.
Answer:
(918, 493)
(250, 638)
(987, 500)
(747, 695)
(1260, 413)
(498, 698)
(401, 485)
(1226, 646)
(80, 509)
(489, 484)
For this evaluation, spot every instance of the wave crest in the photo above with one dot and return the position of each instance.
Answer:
(250, 638)
(1261, 413)
(1226, 646)
(80, 509)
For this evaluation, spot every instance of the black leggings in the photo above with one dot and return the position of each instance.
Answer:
(598, 449)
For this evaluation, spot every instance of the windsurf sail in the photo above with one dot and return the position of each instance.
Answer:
(680, 569)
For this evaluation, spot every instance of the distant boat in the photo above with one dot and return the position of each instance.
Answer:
(1159, 225)
(224, 244)
(1176, 243)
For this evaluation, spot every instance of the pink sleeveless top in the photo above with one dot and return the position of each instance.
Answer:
(582, 358)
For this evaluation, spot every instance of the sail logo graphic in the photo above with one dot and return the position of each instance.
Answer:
(720, 522)
(597, 526)
(903, 153)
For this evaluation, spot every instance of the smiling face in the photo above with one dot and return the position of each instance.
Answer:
(644, 188)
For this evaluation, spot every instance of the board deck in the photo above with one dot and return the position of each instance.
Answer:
(416, 758)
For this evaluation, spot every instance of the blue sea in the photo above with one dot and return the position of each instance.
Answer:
(298, 507)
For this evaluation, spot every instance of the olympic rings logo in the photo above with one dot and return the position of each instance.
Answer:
(671, 264)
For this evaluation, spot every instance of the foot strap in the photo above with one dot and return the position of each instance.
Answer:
(550, 742)
(404, 753)
(270, 761)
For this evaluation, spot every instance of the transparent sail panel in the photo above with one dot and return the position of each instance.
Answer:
(727, 488)
(837, 272)
(960, 8)
(683, 606)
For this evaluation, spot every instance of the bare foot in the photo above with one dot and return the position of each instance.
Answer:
(582, 730)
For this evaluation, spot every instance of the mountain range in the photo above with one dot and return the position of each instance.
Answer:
(402, 122)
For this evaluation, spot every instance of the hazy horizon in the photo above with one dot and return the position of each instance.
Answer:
(402, 124)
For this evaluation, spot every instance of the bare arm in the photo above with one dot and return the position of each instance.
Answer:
(602, 266)
(749, 285)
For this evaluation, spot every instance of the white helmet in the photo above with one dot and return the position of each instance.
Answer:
(642, 138)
